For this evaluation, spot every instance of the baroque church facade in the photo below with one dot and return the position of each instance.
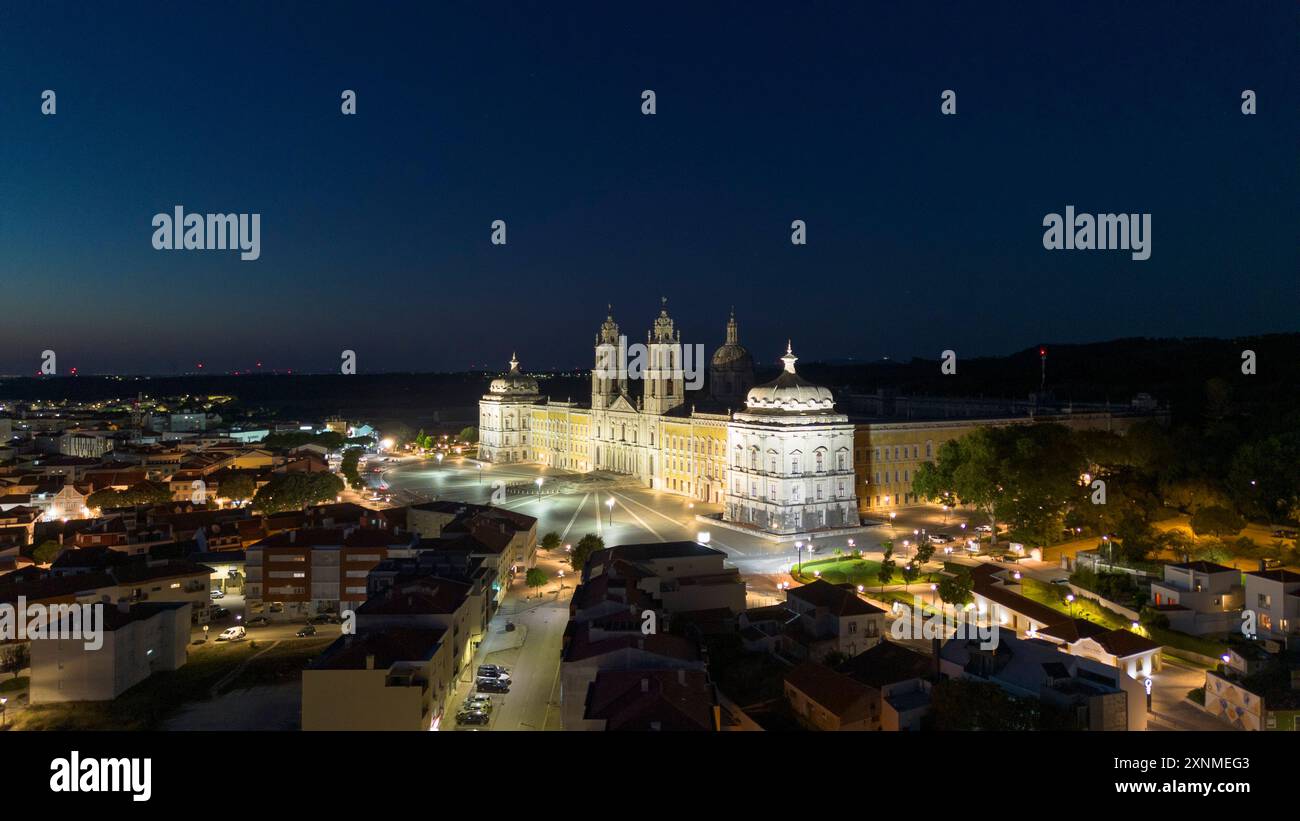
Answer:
(775, 457)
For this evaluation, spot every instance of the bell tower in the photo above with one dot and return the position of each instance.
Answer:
(665, 380)
(608, 377)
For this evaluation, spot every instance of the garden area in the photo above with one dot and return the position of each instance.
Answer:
(1054, 596)
(150, 703)
(855, 570)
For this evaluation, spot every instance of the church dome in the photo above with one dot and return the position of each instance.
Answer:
(789, 393)
(514, 383)
(732, 356)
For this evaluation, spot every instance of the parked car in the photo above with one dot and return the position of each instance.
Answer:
(495, 675)
(472, 717)
(232, 634)
(940, 538)
(983, 528)
(1061, 580)
(309, 630)
(478, 701)
(218, 613)
(258, 621)
(277, 607)
(487, 669)
(1284, 533)
(217, 594)
(325, 618)
(493, 685)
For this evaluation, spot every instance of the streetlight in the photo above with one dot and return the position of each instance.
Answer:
(1069, 597)
(4, 713)
(892, 529)
(439, 458)
(609, 504)
(538, 481)
(205, 633)
(480, 473)
(798, 546)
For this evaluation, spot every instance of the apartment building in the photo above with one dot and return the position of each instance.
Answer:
(1200, 597)
(829, 618)
(299, 573)
(1274, 596)
(396, 678)
(139, 639)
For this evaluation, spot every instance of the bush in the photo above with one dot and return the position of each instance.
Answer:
(1151, 618)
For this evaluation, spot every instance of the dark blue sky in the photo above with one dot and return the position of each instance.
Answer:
(924, 231)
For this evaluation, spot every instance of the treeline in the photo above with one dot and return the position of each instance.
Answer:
(1045, 481)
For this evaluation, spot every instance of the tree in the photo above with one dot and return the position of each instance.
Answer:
(348, 467)
(15, 658)
(956, 589)
(551, 541)
(836, 658)
(887, 565)
(535, 577)
(1263, 478)
(239, 487)
(582, 551)
(1150, 617)
(469, 434)
(101, 499)
(963, 704)
(145, 493)
(911, 571)
(47, 551)
(924, 551)
(294, 491)
(1214, 520)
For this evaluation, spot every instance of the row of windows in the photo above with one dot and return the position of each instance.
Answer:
(796, 491)
(796, 460)
(899, 452)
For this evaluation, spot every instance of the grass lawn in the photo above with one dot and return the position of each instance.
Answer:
(280, 665)
(14, 685)
(1054, 596)
(145, 705)
(850, 570)
(746, 678)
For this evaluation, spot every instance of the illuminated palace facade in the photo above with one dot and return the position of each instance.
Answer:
(777, 457)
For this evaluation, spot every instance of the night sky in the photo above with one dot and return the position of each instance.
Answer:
(925, 231)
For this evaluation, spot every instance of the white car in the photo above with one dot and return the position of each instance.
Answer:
(232, 633)
(217, 594)
(984, 529)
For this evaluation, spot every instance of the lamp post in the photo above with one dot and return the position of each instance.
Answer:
(798, 546)
(538, 482)
(893, 530)
(480, 473)
(205, 633)
(439, 457)
(1069, 597)
(609, 505)
(4, 712)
